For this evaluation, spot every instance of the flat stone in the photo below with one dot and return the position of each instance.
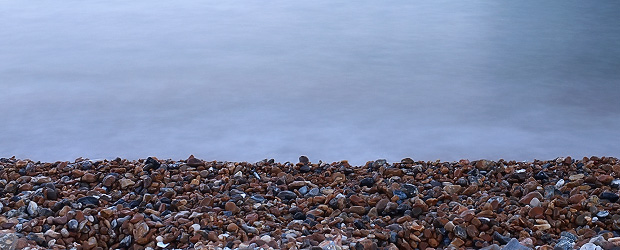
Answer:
(88, 201)
(357, 210)
(287, 195)
(536, 212)
(452, 189)
(125, 183)
(89, 178)
(576, 177)
(576, 198)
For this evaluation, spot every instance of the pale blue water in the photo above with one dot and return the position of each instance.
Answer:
(356, 80)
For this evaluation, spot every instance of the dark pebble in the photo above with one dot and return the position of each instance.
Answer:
(299, 216)
(410, 190)
(36, 238)
(368, 182)
(359, 224)
(287, 195)
(51, 193)
(72, 225)
(401, 195)
(613, 197)
(304, 169)
(304, 159)
(393, 237)
(151, 164)
(89, 201)
(541, 176)
(86, 165)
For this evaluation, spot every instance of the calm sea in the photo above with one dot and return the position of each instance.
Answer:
(334, 80)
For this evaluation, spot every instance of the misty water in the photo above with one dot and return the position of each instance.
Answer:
(334, 80)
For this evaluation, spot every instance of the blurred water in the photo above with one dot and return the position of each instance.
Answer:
(357, 80)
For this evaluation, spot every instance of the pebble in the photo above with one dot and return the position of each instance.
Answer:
(125, 183)
(367, 182)
(197, 204)
(612, 197)
(287, 195)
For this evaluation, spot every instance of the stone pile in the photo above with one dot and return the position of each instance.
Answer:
(195, 204)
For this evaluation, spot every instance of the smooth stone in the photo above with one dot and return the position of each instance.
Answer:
(89, 178)
(357, 210)
(108, 180)
(32, 209)
(126, 183)
(51, 193)
(232, 207)
(605, 179)
(303, 190)
(535, 202)
(232, 227)
(613, 197)
(536, 212)
(615, 183)
(381, 205)
(305, 169)
(452, 189)
(72, 225)
(89, 200)
(287, 195)
(602, 214)
(368, 182)
(576, 198)
(304, 159)
(576, 177)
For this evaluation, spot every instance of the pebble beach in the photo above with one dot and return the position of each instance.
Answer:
(153, 203)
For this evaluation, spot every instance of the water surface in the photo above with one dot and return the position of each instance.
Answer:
(248, 80)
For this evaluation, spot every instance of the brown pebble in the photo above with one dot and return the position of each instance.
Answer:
(577, 198)
(232, 227)
(232, 207)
